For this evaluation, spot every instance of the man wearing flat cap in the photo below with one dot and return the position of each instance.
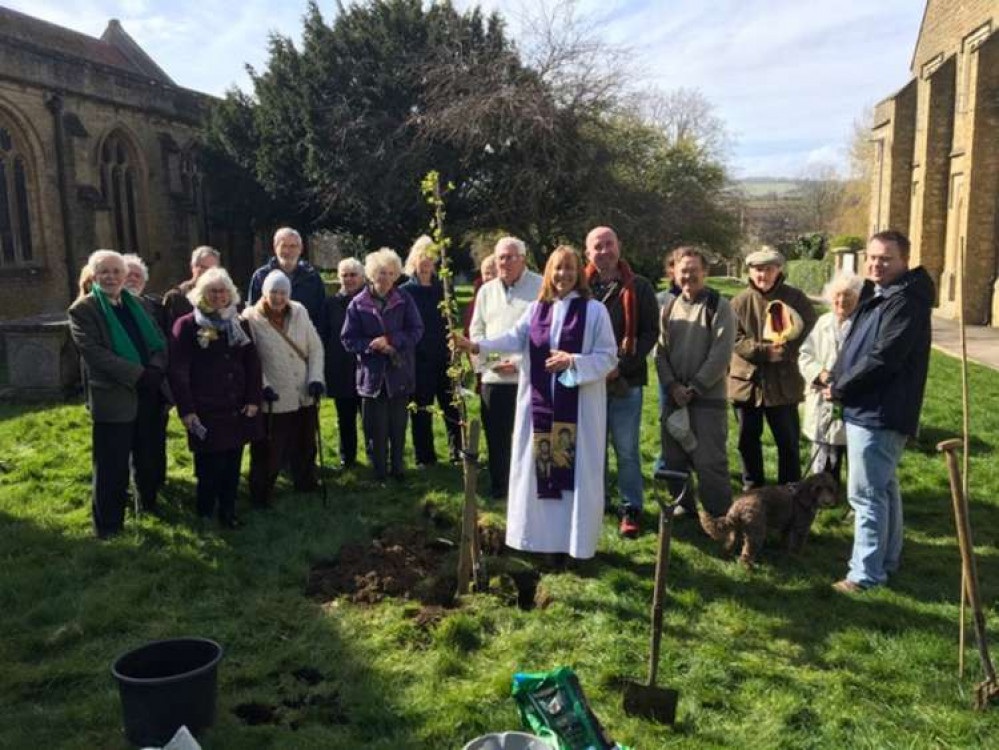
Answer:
(772, 320)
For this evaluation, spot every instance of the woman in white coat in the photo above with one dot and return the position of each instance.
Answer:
(556, 498)
(291, 357)
(815, 360)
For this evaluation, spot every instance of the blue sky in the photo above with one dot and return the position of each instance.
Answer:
(788, 77)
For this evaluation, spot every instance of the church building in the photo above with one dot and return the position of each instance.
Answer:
(99, 148)
(936, 174)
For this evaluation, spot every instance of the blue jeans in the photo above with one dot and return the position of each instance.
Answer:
(872, 489)
(624, 420)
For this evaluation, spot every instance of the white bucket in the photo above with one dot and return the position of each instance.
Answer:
(508, 741)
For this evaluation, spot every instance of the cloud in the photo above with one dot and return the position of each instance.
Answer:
(787, 77)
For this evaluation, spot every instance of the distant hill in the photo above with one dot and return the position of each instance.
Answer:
(767, 187)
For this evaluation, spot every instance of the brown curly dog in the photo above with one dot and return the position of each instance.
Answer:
(787, 508)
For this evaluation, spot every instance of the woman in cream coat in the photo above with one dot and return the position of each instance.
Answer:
(291, 356)
(815, 360)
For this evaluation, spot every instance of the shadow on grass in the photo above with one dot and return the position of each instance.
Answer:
(931, 435)
(69, 604)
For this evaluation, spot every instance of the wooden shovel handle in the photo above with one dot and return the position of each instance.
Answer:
(966, 545)
(659, 594)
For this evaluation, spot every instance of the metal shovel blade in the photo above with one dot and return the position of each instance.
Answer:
(656, 703)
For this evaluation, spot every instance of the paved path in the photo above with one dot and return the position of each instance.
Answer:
(983, 341)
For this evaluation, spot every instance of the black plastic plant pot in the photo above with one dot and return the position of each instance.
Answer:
(165, 685)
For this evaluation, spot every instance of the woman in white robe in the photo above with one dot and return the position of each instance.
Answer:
(571, 524)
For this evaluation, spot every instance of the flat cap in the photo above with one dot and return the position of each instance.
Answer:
(765, 256)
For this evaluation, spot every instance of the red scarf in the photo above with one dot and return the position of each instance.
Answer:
(629, 344)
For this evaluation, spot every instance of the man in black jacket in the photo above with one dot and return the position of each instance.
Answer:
(634, 313)
(306, 283)
(879, 379)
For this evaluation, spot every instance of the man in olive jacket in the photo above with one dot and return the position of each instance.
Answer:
(764, 381)
(124, 397)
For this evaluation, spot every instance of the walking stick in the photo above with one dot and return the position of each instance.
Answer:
(319, 454)
(987, 691)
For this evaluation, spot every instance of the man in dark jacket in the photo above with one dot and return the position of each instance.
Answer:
(124, 359)
(634, 313)
(175, 302)
(341, 365)
(879, 379)
(306, 284)
(772, 320)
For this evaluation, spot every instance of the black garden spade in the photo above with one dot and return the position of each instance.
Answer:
(647, 699)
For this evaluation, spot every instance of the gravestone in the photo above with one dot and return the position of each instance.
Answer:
(41, 360)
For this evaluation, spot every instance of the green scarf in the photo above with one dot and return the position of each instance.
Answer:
(121, 344)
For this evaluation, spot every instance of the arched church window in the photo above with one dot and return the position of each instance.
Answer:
(119, 184)
(15, 214)
(192, 183)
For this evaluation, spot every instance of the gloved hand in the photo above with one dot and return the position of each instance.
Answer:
(269, 394)
(316, 389)
(150, 379)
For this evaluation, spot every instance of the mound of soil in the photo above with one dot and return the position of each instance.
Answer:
(404, 564)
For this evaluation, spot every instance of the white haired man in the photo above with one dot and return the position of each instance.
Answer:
(175, 302)
(124, 360)
(306, 284)
(499, 304)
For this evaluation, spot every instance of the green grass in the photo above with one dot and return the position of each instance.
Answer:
(768, 660)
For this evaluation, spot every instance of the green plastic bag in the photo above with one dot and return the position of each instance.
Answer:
(552, 706)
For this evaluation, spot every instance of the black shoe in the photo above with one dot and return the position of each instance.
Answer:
(230, 522)
(398, 476)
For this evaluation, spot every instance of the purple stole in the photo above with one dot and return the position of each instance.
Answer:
(554, 408)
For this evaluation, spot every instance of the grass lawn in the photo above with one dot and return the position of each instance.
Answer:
(769, 660)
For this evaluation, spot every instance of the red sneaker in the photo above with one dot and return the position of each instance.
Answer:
(630, 527)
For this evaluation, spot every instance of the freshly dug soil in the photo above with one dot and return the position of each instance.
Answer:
(404, 564)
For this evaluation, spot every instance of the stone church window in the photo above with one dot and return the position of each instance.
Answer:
(192, 184)
(15, 216)
(119, 186)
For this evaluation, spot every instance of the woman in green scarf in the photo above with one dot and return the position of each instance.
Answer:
(124, 360)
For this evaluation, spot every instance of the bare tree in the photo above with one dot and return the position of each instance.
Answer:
(567, 50)
(821, 194)
(684, 115)
(853, 216)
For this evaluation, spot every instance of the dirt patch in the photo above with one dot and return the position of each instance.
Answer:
(254, 714)
(308, 700)
(429, 616)
(404, 564)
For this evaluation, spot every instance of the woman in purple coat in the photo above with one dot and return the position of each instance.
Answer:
(382, 329)
(216, 382)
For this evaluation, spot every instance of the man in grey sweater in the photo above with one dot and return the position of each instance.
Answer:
(696, 335)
